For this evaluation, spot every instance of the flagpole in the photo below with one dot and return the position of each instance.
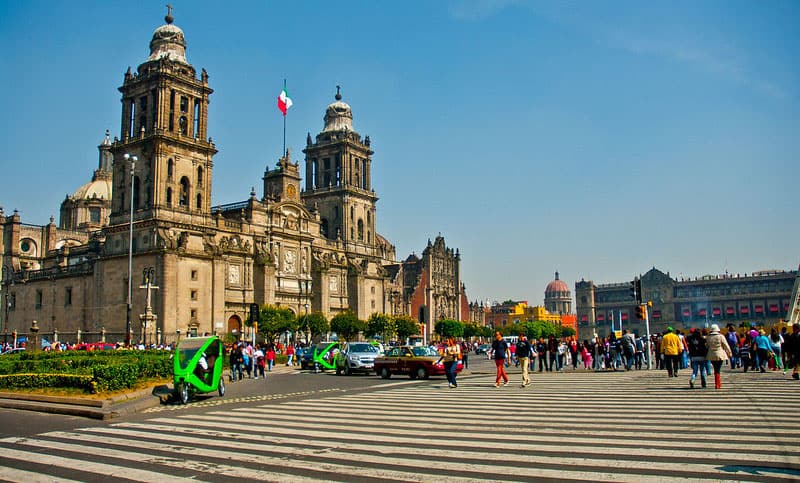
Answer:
(284, 124)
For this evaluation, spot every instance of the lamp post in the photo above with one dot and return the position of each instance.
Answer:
(133, 160)
(35, 333)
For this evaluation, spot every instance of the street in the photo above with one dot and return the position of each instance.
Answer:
(623, 426)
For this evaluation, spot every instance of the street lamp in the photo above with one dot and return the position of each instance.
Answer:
(133, 160)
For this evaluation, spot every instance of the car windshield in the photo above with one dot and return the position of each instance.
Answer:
(425, 351)
(363, 348)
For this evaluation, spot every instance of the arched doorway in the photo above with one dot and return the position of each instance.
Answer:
(235, 326)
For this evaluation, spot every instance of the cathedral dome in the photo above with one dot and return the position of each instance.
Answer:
(338, 116)
(98, 188)
(556, 286)
(168, 43)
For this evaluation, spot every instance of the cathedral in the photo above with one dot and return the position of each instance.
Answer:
(141, 248)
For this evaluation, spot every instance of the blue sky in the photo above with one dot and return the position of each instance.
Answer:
(598, 139)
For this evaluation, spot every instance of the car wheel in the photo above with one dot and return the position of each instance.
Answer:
(183, 393)
(421, 373)
(385, 374)
(338, 371)
(412, 374)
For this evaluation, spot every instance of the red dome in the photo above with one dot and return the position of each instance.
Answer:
(556, 286)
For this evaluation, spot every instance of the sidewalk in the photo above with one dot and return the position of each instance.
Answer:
(112, 407)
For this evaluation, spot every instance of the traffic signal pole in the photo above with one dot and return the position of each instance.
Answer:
(647, 326)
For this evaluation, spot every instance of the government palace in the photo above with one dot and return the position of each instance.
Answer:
(141, 245)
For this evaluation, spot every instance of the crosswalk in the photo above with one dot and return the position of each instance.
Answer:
(635, 426)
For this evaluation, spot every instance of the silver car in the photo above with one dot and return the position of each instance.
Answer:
(356, 357)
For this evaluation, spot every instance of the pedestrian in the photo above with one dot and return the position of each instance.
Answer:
(776, 342)
(452, 352)
(628, 348)
(718, 351)
(290, 354)
(259, 357)
(763, 349)
(697, 356)
(524, 353)
(745, 345)
(541, 350)
(270, 357)
(671, 347)
(793, 351)
(733, 342)
(236, 360)
(500, 353)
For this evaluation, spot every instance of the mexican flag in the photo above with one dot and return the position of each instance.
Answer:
(284, 101)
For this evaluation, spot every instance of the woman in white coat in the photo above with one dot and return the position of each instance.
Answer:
(718, 351)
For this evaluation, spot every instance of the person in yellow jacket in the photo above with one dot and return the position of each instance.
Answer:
(671, 347)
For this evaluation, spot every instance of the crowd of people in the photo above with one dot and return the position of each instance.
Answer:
(704, 350)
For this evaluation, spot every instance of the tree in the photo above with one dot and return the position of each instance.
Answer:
(274, 320)
(347, 325)
(471, 329)
(449, 328)
(380, 325)
(405, 326)
(314, 323)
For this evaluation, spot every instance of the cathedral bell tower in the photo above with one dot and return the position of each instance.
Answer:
(338, 178)
(165, 126)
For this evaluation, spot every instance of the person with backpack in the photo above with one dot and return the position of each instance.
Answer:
(698, 350)
(628, 343)
(733, 342)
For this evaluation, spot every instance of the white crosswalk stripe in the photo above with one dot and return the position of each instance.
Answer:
(634, 426)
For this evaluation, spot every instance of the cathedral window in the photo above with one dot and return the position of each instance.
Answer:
(199, 201)
(172, 111)
(352, 213)
(169, 196)
(67, 296)
(314, 173)
(38, 301)
(94, 215)
(338, 171)
(184, 126)
(170, 167)
(199, 176)
(184, 195)
(323, 227)
(360, 229)
(196, 118)
(132, 118)
(326, 170)
(364, 179)
(136, 192)
(184, 104)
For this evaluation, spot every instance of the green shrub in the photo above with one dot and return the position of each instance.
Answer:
(38, 381)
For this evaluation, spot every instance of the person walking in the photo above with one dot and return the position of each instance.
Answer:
(763, 349)
(524, 353)
(671, 347)
(452, 352)
(793, 351)
(718, 351)
(290, 351)
(628, 348)
(500, 353)
(698, 351)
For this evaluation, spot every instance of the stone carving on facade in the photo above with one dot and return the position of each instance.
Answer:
(262, 254)
(183, 241)
(320, 261)
(290, 261)
(165, 239)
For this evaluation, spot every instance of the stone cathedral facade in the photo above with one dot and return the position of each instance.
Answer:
(307, 243)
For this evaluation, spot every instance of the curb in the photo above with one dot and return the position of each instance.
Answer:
(109, 408)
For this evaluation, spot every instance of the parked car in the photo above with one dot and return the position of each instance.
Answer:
(483, 349)
(356, 357)
(419, 362)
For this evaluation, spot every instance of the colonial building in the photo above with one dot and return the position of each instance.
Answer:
(147, 214)
(762, 298)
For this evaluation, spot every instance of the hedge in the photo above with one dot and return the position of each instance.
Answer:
(104, 370)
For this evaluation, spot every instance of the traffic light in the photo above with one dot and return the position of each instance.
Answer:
(641, 312)
(254, 312)
(635, 287)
